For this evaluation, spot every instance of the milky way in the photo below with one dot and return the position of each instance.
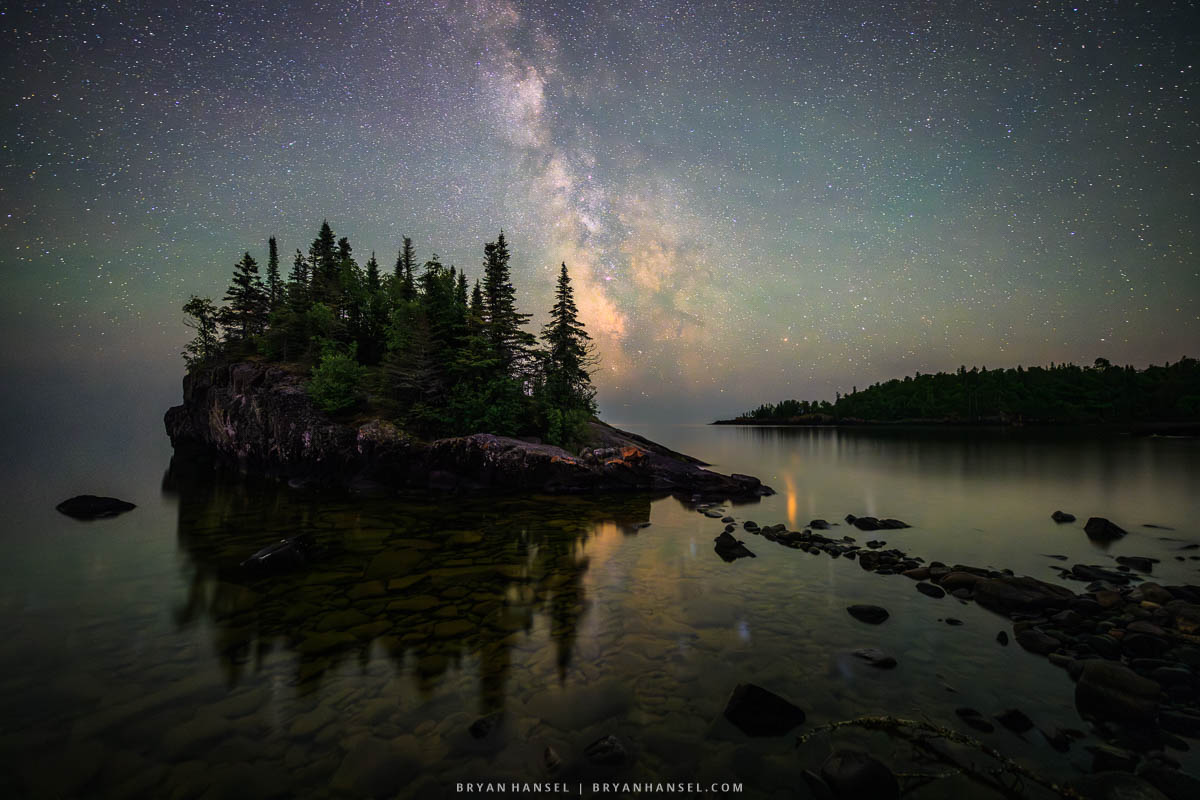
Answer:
(756, 200)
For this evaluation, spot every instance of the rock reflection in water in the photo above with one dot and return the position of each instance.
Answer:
(429, 586)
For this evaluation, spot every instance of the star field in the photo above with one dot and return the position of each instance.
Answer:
(756, 200)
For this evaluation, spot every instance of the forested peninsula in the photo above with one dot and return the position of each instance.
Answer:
(408, 377)
(1163, 397)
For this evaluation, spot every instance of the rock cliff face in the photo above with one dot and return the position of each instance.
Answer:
(260, 417)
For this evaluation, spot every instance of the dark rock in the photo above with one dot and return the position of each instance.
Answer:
(1058, 739)
(876, 658)
(1106, 758)
(1181, 722)
(89, 506)
(286, 554)
(974, 719)
(758, 712)
(1062, 516)
(1107, 690)
(1085, 572)
(481, 727)
(1038, 642)
(1100, 529)
(963, 594)
(953, 621)
(1015, 720)
(1174, 784)
(929, 590)
(864, 523)
(1170, 676)
(1141, 645)
(1006, 594)
(817, 788)
(1140, 563)
(857, 776)
(1115, 786)
(1002, 638)
(730, 548)
(1106, 646)
(819, 525)
(872, 615)
(890, 524)
(606, 752)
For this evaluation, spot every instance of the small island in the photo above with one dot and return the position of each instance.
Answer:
(1158, 399)
(345, 375)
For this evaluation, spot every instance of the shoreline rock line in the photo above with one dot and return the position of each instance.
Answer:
(260, 418)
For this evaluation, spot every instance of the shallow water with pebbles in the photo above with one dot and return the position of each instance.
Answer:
(440, 640)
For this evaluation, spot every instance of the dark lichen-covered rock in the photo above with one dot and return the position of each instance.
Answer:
(872, 615)
(89, 506)
(261, 417)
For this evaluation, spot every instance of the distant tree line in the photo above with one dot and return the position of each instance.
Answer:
(432, 352)
(1063, 393)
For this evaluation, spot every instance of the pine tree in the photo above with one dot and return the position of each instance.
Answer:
(274, 282)
(502, 321)
(246, 312)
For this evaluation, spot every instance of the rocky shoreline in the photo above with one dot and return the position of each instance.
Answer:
(1131, 645)
(260, 418)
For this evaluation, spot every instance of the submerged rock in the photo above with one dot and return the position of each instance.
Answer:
(1062, 516)
(1115, 786)
(89, 506)
(1015, 720)
(857, 776)
(974, 719)
(284, 555)
(876, 657)
(758, 712)
(606, 752)
(1100, 529)
(872, 615)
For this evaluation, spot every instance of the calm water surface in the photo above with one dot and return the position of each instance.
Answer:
(138, 661)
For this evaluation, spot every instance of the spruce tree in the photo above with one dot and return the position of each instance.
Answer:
(298, 294)
(323, 266)
(274, 282)
(502, 321)
(246, 312)
(405, 266)
(567, 395)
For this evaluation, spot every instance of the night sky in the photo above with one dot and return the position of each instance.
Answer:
(755, 200)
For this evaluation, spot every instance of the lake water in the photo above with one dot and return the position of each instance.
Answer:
(139, 661)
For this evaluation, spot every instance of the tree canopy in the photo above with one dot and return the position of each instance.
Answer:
(1064, 393)
(416, 344)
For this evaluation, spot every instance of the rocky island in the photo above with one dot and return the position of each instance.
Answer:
(261, 418)
(341, 375)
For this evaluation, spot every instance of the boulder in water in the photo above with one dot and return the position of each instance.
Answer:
(758, 712)
(1100, 529)
(89, 506)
